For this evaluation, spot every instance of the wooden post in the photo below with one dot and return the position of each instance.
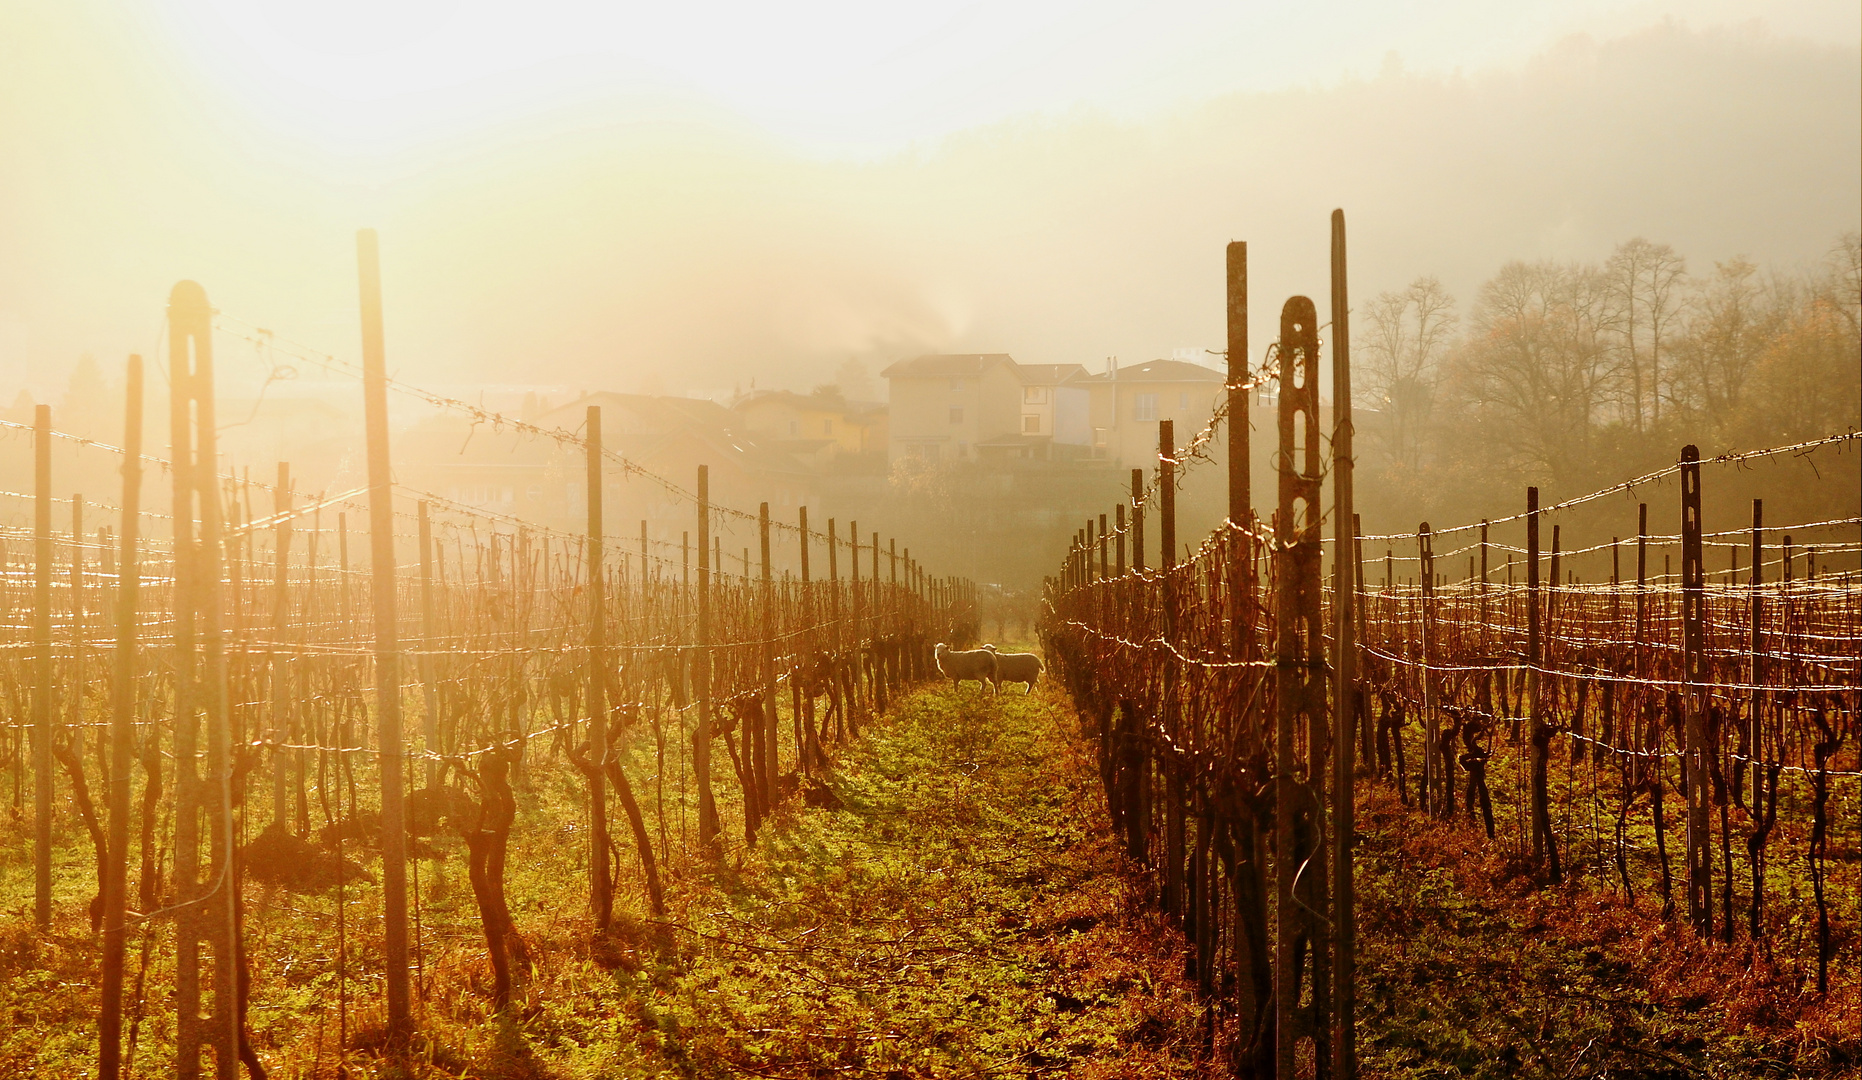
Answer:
(1756, 675)
(42, 668)
(221, 912)
(1693, 666)
(1344, 684)
(122, 736)
(808, 750)
(1240, 481)
(833, 539)
(188, 320)
(1552, 591)
(74, 732)
(280, 660)
(1433, 768)
(1300, 674)
(1544, 844)
(1167, 546)
(391, 746)
(701, 739)
(1118, 519)
(766, 740)
(600, 876)
(1137, 519)
(430, 719)
(1484, 634)
(853, 586)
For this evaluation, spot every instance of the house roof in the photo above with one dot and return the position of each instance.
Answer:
(1049, 374)
(946, 364)
(1162, 371)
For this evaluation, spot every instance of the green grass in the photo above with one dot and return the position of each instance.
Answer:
(961, 913)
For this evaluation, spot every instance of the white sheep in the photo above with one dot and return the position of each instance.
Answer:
(958, 665)
(1021, 667)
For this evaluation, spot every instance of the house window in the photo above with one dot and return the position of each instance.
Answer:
(1031, 425)
(956, 385)
(1144, 406)
(1099, 436)
(956, 414)
(1034, 395)
(1183, 402)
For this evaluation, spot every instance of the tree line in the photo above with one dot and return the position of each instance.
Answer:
(1572, 375)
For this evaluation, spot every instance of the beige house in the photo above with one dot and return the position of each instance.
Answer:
(1127, 403)
(816, 423)
(943, 405)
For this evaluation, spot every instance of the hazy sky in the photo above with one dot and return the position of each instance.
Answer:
(688, 195)
(852, 78)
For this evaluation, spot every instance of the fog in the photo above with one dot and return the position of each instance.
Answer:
(634, 235)
(630, 236)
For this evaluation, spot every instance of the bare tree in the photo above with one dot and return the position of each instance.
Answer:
(1736, 315)
(1841, 287)
(1775, 360)
(1539, 362)
(1407, 336)
(1644, 281)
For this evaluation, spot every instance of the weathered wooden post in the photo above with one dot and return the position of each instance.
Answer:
(600, 877)
(810, 750)
(122, 736)
(1137, 519)
(766, 737)
(391, 746)
(1755, 731)
(1544, 844)
(74, 722)
(701, 737)
(1300, 675)
(1483, 586)
(280, 662)
(1240, 479)
(1693, 664)
(1344, 667)
(860, 634)
(1432, 766)
(42, 667)
(1167, 558)
(430, 691)
(186, 323)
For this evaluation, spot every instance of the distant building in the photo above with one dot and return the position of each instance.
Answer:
(966, 406)
(1127, 403)
(813, 425)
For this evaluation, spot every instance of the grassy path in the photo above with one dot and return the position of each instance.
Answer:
(959, 913)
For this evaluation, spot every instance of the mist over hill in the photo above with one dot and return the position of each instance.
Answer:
(631, 236)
